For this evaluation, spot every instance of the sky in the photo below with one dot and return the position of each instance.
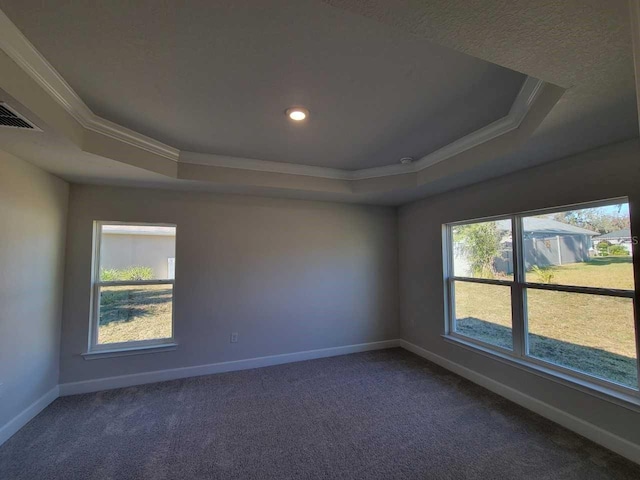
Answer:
(618, 210)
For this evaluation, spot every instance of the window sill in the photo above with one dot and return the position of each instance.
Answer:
(628, 401)
(125, 352)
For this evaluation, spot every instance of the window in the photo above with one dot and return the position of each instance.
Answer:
(552, 289)
(133, 280)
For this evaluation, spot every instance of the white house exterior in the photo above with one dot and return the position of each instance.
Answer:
(124, 246)
(618, 237)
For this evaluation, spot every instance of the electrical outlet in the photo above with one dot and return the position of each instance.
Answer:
(234, 337)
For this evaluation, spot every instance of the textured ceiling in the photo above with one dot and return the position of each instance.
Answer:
(216, 77)
(582, 45)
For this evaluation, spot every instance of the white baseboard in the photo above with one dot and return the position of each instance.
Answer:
(20, 420)
(596, 434)
(592, 432)
(185, 372)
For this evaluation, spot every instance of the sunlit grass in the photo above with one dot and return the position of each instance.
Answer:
(601, 272)
(135, 313)
(590, 333)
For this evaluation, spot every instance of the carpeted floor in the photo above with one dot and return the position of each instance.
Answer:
(377, 415)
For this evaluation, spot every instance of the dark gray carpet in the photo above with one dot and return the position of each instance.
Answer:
(376, 415)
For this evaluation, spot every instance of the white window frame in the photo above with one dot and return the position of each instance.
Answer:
(519, 286)
(139, 345)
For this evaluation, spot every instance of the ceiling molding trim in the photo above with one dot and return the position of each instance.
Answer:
(525, 99)
(21, 51)
(634, 10)
(213, 160)
(135, 139)
(529, 92)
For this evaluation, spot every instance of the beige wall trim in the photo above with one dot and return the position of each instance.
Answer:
(121, 381)
(24, 417)
(594, 433)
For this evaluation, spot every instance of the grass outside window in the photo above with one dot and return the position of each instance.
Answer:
(133, 285)
(532, 303)
(135, 313)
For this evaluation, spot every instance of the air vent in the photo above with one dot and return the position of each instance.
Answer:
(11, 119)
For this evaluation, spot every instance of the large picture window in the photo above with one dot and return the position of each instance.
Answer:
(553, 289)
(133, 281)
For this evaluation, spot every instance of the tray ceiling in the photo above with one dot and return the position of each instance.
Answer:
(149, 94)
(217, 76)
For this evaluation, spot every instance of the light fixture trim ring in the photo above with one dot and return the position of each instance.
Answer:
(297, 114)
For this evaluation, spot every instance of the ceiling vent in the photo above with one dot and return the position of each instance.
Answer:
(9, 118)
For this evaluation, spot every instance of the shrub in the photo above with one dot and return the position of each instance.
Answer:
(138, 273)
(603, 248)
(133, 273)
(618, 250)
(545, 275)
(109, 275)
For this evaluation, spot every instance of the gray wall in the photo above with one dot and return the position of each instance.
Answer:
(598, 174)
(33, 209)
(558, 250)
(287, 275)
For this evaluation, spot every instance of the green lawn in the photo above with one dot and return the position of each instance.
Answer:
(589, 333)
(135, 313)
(604, 272)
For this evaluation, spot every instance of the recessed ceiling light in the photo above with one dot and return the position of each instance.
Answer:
(406, 160)
(297, 114)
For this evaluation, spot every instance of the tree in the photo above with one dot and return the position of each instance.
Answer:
(595, 219)
(481, 244)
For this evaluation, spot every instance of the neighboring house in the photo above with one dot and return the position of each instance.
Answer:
(124, 246)
(619, 237)
(546, 242)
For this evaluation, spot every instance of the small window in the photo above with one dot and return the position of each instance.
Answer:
(133, 281)
(553, 288)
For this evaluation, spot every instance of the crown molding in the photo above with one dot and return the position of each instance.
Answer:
(531, 88)
(527, 95)
(135, 139)
(21, 51)
(212, 160)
